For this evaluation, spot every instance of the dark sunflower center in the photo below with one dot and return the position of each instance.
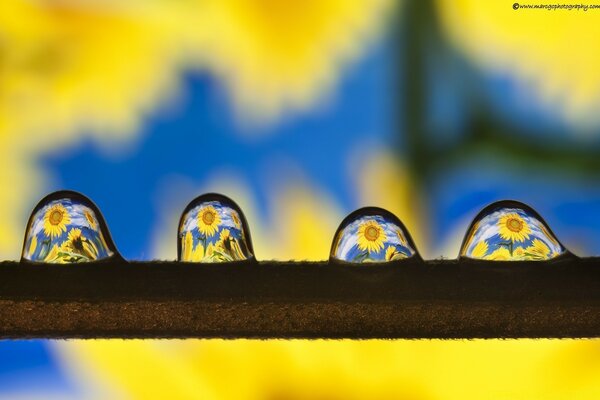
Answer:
(77, 243)
(514, 225)
(55, 217)
(208, 217)
(371, 233)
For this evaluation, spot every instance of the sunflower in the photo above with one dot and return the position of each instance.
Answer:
(480, 250)
(224, 249)
(401, 238)
(199, 253)
(32, 245)
(371, 236)
(513, 227)
(500, 254)
(225, 236)
(548, 235)
(91, 220)
(209, 254)
(208, 221)
(187, 246)
(392, 253)
(79, 246)
(236, 219)
(193, 253)
(538, 250)
(236, 251)
(224, 242)
(56, 220)
(520, 252)
(53, 256)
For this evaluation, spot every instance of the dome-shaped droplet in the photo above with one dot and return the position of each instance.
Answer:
(213, 229)
(64, 228)
(372, 235)
(510, 231)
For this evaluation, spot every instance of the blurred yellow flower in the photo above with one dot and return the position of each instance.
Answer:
(77, 245)
(236, 219)
(401, 238)
(187, 246)
(538, 250)
(513, 227)
(339, 369)
(392, 254)
(277, 55)
(90, 219)
(480, 249)
(500, 254)
(56, 220)
(519, 252)
(208, 221)
(74, 234)
(199, 253)
(33, 245)
(70, 66)
(370, 236)
(224, 235)
(554, 54)
(53, 254)
(549, 236)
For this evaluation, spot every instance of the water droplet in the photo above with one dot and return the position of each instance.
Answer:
(372, 235)
(213, 229)
(510, 231)
(64, 228)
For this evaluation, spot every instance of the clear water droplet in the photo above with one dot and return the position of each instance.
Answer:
(213, 229)
(510, 231)
(372, 235)
(66, 228)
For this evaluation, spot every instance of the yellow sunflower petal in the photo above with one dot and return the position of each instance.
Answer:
(480, 250)
(500, 254)
(32, 245)
(198, 253)
(187, 243)
(538, 250)
(52, 254)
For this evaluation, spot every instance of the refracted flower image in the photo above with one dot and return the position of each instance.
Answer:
(66, 229)
(213, 230)
(510, 231)
(371, 235)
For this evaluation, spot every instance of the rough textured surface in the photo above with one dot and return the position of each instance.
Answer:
(435, 299)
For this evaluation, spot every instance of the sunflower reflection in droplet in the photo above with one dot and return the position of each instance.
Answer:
(510, 231)
(213, 230)
(65, 228)
(371, 235)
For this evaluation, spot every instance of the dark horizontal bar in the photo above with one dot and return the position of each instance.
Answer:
(432, 299)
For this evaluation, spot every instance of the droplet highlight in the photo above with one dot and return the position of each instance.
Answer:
(67, 228)
(213, 229)
(510, 231)
(372, 235)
